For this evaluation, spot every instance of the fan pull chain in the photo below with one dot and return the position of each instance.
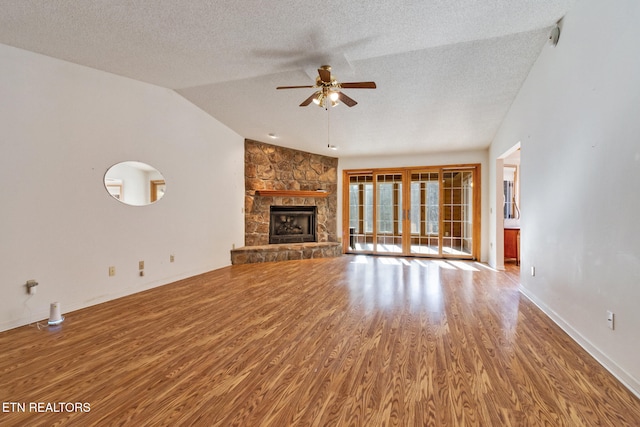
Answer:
(328, 127)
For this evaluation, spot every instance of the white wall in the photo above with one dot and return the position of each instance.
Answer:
(428, 159)
(62, 127)
(577, 117)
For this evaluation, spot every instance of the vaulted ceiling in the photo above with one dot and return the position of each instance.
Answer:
(447, 71)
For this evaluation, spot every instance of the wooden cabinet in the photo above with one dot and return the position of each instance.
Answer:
(512, 244)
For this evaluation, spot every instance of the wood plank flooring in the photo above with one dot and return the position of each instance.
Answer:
(348, 341)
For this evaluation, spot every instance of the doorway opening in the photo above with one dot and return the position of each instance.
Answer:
(508, 230)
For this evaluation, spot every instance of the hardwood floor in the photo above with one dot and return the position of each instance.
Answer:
(349, 341)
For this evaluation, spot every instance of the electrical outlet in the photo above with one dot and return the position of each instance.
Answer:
(31, 287)
(140, 265)
(610, 319)
(171, 258)
(112, 271)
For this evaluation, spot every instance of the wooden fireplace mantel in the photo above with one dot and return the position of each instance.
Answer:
(291, 193)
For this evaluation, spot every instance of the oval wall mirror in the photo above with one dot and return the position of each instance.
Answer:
(134, 183)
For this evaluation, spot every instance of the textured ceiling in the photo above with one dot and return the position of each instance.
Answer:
(447, 71)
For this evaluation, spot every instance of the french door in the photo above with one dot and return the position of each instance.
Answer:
(431, 211)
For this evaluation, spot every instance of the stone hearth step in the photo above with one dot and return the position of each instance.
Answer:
(285, 252)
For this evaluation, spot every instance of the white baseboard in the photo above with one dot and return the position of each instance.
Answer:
(41, 315)
(624, 377)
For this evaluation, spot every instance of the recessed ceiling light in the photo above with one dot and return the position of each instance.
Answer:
(332, 147)
(273, 135)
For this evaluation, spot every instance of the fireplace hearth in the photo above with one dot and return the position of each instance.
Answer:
(292, 224)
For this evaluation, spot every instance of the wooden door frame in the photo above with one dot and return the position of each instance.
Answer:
(406, 227)
(153, 187)
(376, 173)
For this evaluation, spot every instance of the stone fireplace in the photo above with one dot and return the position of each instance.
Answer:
(292, 224)
(278, 177)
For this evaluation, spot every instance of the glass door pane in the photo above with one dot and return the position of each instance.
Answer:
(361, 213)
(424, 213)
(389, 213)
(457, 212)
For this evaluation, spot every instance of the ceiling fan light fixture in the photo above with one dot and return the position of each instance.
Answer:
(328, 90)
(319, 99)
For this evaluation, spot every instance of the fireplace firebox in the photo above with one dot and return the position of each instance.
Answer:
(292, 224)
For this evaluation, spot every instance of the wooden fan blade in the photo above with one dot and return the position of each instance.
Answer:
(358, 85)
(346, 100)
(294, 87)
(308, 100)
(325, 75)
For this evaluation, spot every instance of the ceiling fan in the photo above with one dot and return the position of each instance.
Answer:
(328, 92)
